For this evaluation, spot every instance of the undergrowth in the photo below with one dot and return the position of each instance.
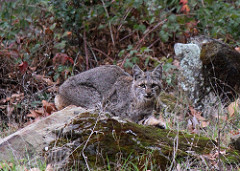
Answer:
(43, 42)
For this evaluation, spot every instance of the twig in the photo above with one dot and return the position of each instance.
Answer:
(219, 148)
(153, 43)
(109, 24)
(85, 145)
(140, 41)
(218, 120)
(202, 1)
(148, 32)
(124, 60)
(126, 36)
(128, 12)
(86, 49)
(85, 159)
(93, 53)
(75, 62)
(103, 53)
(175, 148)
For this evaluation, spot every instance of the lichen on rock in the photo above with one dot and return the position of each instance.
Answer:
(209, 71)
(190, 78)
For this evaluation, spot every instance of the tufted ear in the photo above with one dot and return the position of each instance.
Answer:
(137, 72)
(157, 72)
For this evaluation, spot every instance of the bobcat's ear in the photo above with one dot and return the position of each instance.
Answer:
(137, 72)
(157, 72)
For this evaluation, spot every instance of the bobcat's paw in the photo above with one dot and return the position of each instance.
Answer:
(151, 120)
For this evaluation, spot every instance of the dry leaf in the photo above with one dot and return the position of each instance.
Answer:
(237, 49)
(185, 9)
(183, 2)
(13, 98)
(46, 110)
(197, 117)
(10, 110)
(42, 78)
(49, 168)
(48, 31)
(16, 97)
(35, 114)
(69, 33)
(3, 101)
(33, 68)
(235, 132)
(195, 122)
(204, 124)
(23, 67)
(62, 58)
(54, 88)
(48, 107)
(190, 125)
(196, 113)
(232, 108)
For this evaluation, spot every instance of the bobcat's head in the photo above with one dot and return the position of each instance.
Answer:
(146, 85)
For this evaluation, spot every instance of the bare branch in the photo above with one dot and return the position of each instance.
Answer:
(86, 49)
(109, 24)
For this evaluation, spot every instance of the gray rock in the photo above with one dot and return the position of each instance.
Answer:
(209, 72)
(31, 140)
(190, 78)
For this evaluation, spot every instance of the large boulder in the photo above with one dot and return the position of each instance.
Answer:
(209, 70)
(31, 140)
(75, 138)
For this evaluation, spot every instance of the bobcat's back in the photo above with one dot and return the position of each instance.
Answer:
(88, 88)
(122, 95)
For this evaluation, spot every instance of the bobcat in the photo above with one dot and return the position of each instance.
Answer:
(133, 97)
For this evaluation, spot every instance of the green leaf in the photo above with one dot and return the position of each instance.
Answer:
(35, 48)
(139, 27)
(61, 68)
(60, 45)
(147, 61)
(53, 26)
(128, 64)
(145, 49)
(120, 54)
(101, 26)
(132, 52)
(135, 60)
(130, 47)
(56, 76)
(164, 36)
(172, 18)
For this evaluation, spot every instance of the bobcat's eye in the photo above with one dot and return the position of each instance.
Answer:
(142, 85)
(154, 85)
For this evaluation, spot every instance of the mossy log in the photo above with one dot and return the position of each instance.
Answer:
(103, 143)
(77, 139)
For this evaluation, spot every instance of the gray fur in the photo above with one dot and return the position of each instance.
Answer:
(121, 94)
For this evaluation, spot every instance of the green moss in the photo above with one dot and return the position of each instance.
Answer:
(232, 156)
(128, 144)
(168, 100)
